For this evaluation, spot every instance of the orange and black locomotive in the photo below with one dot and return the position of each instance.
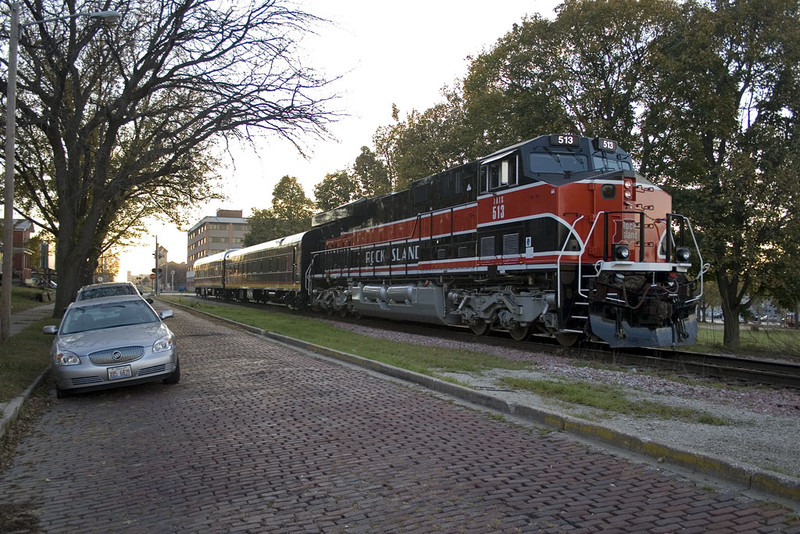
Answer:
(557, 236)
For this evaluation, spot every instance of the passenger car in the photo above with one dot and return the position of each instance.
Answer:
(112, 341)
(106, 289)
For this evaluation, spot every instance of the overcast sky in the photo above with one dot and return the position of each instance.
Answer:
(387, 53)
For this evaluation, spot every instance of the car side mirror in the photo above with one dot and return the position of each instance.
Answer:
(149, 300)
(165, 313)
(50, 329)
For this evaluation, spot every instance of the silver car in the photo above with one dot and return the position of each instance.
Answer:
(112, 341)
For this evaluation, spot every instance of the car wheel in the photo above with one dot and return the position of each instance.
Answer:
(175, 377)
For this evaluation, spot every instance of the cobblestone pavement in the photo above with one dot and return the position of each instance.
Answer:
(258, 437)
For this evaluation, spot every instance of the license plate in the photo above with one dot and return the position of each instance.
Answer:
(123, 371)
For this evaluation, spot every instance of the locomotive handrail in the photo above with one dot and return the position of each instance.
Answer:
(704, 267)
(561, 255)
(308, 274)
(583, 250)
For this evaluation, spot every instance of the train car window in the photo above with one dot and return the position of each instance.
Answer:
(557, 163)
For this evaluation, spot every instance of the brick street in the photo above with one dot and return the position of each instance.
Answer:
(258, 437)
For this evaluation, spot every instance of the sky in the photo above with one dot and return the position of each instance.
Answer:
(386, 53)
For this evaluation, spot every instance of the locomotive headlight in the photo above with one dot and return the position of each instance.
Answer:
(628, 186)
(622, 252)
(683, 254)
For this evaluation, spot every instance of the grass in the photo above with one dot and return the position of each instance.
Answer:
(24, 357)
(610, 399)
(425, 360)
(765, 341)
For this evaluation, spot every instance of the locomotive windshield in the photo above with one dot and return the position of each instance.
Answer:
(603, 163)
(558, 163)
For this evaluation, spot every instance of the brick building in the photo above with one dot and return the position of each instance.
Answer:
(215, 234)
(22, 267)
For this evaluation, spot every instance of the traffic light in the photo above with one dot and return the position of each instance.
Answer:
(160, 270)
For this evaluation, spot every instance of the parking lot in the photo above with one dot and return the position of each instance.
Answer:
(258, 437)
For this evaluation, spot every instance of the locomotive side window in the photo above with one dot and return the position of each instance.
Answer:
(499, 174)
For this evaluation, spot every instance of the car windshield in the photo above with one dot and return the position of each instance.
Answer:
(113, 314)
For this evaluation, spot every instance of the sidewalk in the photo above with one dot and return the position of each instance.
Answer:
(22, 319)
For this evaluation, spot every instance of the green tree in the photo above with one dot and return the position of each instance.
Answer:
(581, 72)
(114, 122)
(426, 142)
(721, 129)
(510, 92)
(290, 214)
(371, 174)
(335, 190)
(289, 201)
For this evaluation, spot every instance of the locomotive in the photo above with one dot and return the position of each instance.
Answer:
(556, 236)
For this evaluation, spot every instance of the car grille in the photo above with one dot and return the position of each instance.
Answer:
(118, 355)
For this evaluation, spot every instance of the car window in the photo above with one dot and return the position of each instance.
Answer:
(109, 315)
(106, 291)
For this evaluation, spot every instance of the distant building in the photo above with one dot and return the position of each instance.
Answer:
(21, 255)
(215, 234)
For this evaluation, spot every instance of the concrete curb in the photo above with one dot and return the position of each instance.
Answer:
(749, 478)
(11, 409)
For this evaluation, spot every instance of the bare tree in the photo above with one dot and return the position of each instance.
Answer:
(116, 123)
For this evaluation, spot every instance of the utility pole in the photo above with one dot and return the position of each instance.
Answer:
(155, 271)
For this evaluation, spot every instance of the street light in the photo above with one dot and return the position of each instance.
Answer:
(11, 112)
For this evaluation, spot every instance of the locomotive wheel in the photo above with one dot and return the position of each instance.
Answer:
(567, 340)
(479, 327)
(519, 332)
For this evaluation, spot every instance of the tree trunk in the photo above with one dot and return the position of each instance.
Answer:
(731, 306)
(74, 271)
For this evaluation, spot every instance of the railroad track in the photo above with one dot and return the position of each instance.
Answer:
(730, 368)
(769, 372)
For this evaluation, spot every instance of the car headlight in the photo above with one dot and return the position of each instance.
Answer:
(683, 254)
(165, 343)
(622, 252)
(65, 357)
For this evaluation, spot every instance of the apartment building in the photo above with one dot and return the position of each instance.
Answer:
(215, 234)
